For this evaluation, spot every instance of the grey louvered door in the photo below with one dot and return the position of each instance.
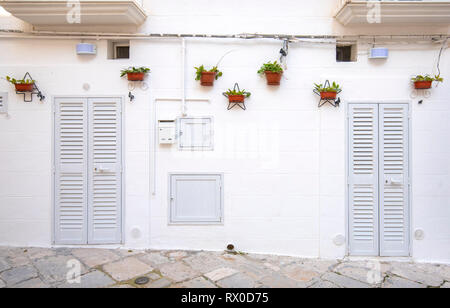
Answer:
(88, 171)
(71, 171)
(105, 171)
(378, 180)
(394, 180)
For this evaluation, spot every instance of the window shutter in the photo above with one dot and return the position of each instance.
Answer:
(363, 179)
(105, 171)
(70, 171)
(394, 178)
(3, 102)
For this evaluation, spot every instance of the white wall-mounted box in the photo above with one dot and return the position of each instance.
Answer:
(196, 198)
(196, 134)
(166, 131)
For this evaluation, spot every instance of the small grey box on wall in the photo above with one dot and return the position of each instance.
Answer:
(3, 102)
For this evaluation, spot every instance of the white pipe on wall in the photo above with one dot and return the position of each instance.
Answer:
(183, 78)
(155, 131)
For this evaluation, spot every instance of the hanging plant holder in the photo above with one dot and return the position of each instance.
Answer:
(31, 89)
(237, 98)
(327, 96)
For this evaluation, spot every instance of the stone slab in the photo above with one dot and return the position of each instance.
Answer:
(16, 275)
(178, 272)
(95, 257)
(127, 269)
(220, 273)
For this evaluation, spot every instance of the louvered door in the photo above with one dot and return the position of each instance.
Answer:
(71, 171)
(378, 180)
(394, 186)
(88, 171)
(105, 168)
(363, 179)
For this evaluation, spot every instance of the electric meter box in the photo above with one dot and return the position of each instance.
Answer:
(166, 131)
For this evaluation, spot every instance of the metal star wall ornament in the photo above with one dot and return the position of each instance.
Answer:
(240, 103)
(332, 101)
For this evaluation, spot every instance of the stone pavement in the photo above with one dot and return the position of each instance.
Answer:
(101, 268)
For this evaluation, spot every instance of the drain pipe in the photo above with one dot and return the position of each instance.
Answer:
(183, 78)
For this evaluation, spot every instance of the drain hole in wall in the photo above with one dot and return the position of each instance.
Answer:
(136, 233)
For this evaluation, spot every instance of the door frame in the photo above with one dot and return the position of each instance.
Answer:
(347, 164)
(53, 177)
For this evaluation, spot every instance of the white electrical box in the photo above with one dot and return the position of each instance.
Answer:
(166, 131)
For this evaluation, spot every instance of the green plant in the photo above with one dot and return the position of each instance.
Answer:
(201, 69)
(236, 92)
(129, 70)
(274, 67)
(333, 88)
(19, 81)
(419, 78)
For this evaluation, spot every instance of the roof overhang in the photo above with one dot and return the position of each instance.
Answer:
(93, 12)
(394, 12)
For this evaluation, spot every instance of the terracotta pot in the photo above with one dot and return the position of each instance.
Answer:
(208, 78)
(273, 78)
(423, 84)
(328, 95)
(236, 98)
(136, 76)
(24, 87)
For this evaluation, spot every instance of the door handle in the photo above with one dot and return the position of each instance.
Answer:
(101, 170)
(394, 181)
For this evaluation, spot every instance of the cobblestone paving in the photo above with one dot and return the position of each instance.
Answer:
(102, 268)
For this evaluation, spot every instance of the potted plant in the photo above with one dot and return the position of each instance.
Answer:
(207, 77)
(237, 95)
(135, 73)
(22, 85)
(273, 72)
(327, 91)
(425, 82)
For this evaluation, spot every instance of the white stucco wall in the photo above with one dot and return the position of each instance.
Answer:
(284, 159)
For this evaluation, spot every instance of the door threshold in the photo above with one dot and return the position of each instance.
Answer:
(379, 259)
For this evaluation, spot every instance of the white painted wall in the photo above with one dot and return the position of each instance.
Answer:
(283, 158)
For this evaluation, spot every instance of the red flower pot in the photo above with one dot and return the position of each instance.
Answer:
(273, 78)
(208, 78)
(236, 98)
(420, 85)
(136, 76)
(24, 87)
(328, 95)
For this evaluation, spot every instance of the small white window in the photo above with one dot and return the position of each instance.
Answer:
(196, 198)
(196, 134)
(3, 102)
